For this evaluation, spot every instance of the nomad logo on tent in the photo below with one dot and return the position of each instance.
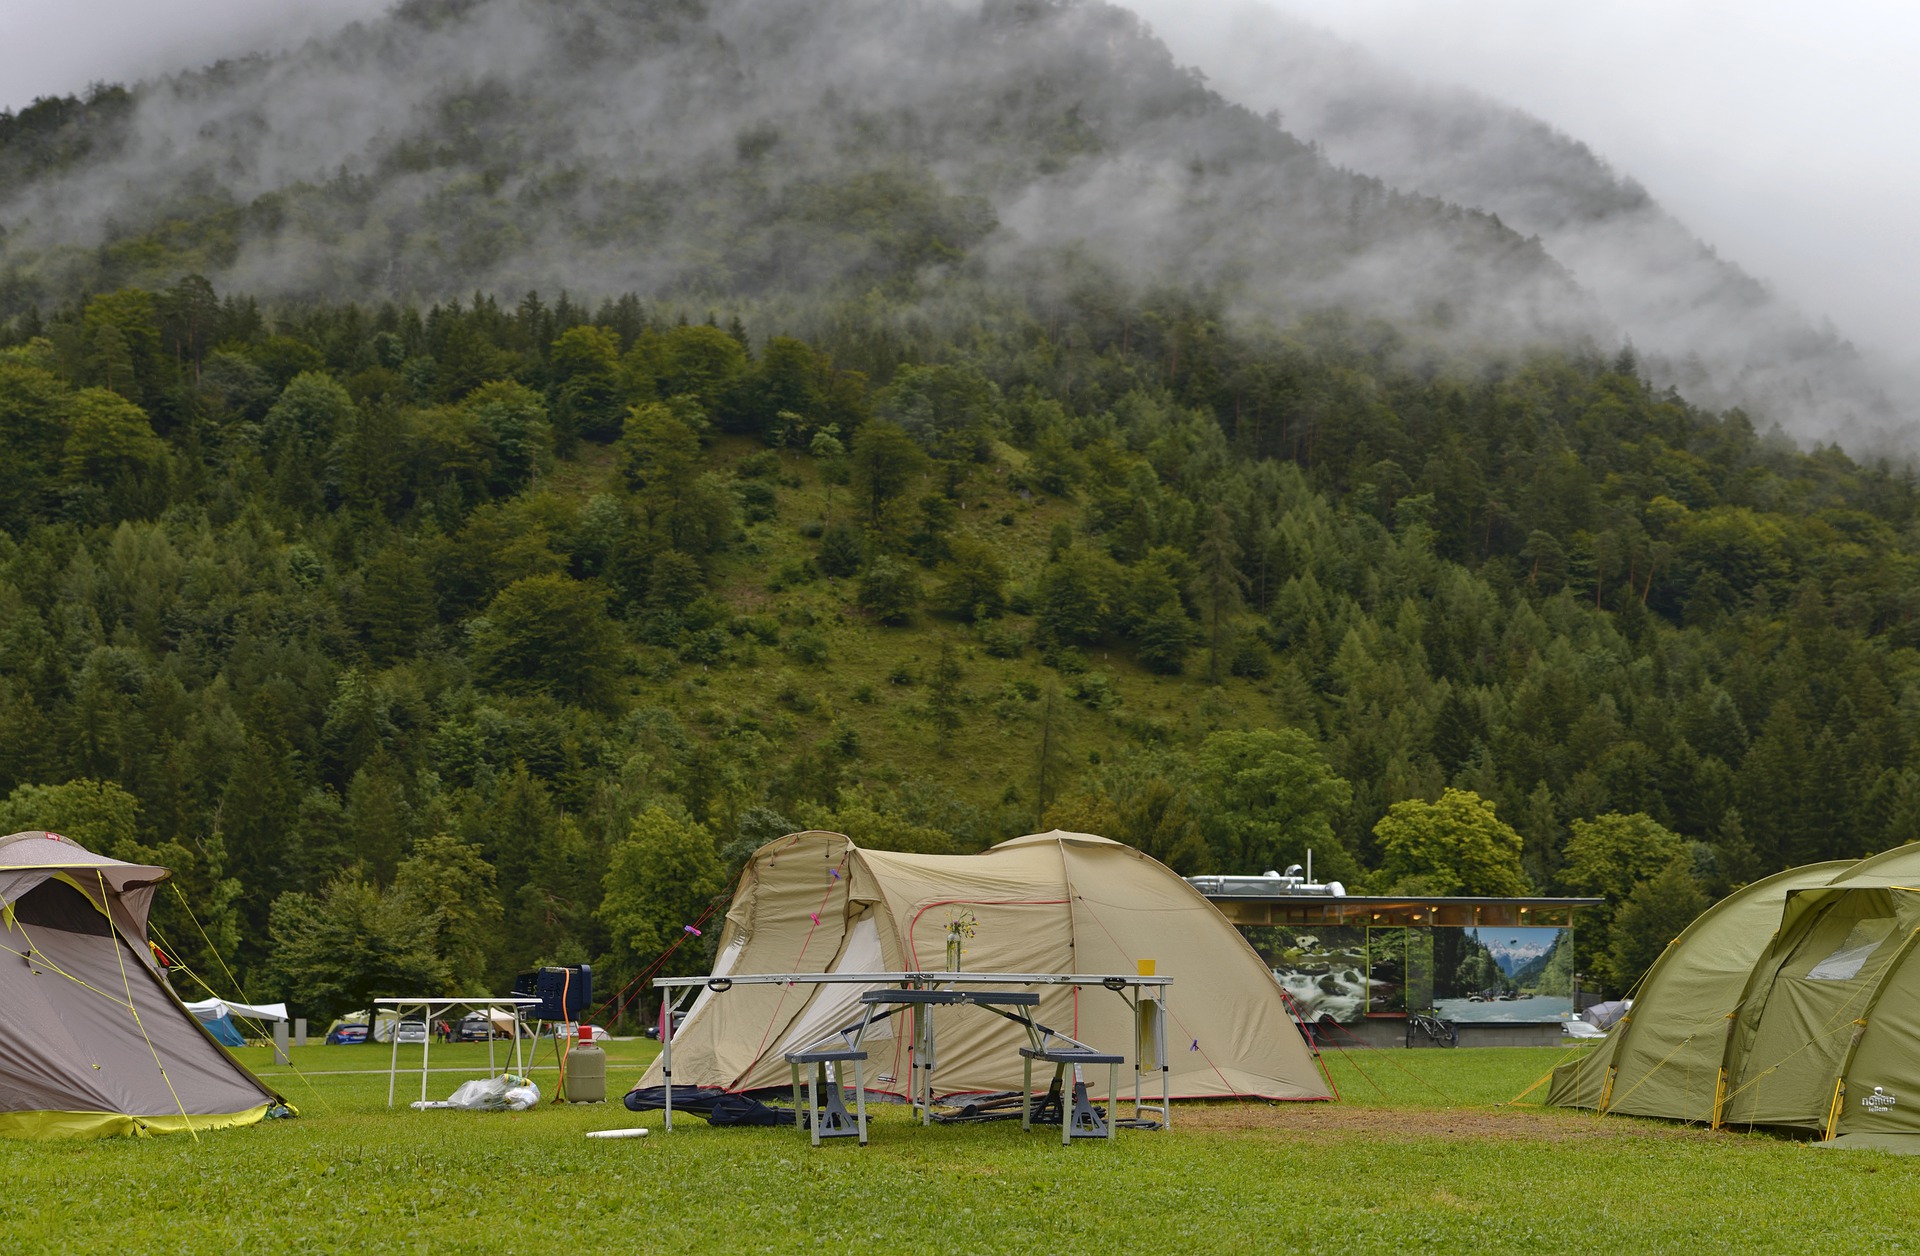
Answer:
(1879, 1100)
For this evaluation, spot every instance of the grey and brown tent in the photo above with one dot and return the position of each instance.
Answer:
(92, 1040)
(1792, 1003)
(1050, 903)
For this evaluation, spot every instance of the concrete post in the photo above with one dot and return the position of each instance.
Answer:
(280, 1055)
(299, 1031)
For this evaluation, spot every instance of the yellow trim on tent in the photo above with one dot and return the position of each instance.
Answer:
(1833, 1109)
(56, 1125)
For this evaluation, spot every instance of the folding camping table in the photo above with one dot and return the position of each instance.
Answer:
(427, 1007)
(1146, 996)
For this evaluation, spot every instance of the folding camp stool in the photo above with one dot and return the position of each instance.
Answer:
(828, 1115)
(1078, 1117)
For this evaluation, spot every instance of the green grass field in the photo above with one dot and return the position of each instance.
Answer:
(1419, 1154)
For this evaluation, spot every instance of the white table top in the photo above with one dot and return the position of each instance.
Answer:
(940, 978)
(463, 1000)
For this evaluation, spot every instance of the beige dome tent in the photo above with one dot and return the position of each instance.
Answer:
(1051, 903)
(92, 1040)
(1794, 1002)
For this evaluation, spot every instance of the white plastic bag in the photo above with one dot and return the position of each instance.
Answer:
(505, 1093)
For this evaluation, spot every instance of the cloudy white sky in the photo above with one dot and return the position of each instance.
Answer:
(1785, 132)
(57, 47)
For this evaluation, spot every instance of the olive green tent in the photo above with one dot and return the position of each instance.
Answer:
(1792, 1003)
(92, 1039)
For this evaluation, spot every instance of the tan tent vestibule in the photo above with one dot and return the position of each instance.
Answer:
(93, 1041)
(1064, 903)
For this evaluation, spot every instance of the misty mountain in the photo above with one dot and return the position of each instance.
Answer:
(741, 150)
(1699, 322)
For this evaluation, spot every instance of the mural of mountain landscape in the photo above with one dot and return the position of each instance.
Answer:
(1483, 973)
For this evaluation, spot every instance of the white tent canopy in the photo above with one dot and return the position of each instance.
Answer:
(214, 1009)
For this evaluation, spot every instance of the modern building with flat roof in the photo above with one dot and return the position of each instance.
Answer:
(1392, 970)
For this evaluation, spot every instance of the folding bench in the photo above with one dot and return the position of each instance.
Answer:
(828, 1115)
(1078, 1117)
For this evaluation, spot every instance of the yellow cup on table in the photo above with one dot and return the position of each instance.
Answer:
(1145, 966)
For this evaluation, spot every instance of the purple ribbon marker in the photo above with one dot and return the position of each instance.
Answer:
(690, 929)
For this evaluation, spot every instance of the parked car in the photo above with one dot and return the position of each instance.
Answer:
(341, 1035)
(475, 1028)
(411, 1031)
(653, 1030)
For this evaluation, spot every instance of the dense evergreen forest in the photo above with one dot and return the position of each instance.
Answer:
(1035, 440)
(497, 634)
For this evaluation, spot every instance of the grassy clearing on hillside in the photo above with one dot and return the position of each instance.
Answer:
(1394, 1165)
(873, 679)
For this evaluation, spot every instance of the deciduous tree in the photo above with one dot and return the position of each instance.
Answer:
(1454, 846)
(1271, 798)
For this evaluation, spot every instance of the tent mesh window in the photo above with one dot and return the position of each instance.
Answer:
(57, 905)
(1861, 942)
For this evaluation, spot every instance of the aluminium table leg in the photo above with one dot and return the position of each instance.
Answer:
(927, 1063)
(860, 1098)
(393, 1059)
(666, 1056)
(815, 1111)
(1139, 1045)
(1113, 1099)
(669, 1004)
(1160, 1054)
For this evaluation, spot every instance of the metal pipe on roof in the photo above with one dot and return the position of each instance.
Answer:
(1269, 884)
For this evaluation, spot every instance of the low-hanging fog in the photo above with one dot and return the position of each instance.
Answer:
(753, 149)
(1737, 185)
(58, 49)
(1779, 131)
(509, 144)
